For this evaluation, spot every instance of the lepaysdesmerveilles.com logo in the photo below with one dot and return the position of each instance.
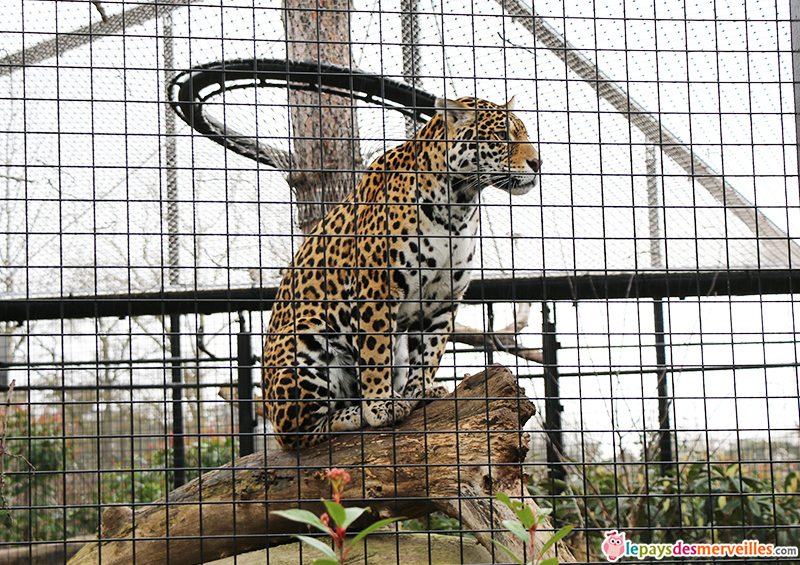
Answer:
(615, 547)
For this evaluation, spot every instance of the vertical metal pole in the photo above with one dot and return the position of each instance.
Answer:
(173, 261)
(245, 380)
(664, 431)
(178, 441)
(488, 338)
(664, 428)
(652, 207)
(171, 158)
(552, 400)
(794, 15)
(411, 56)
(5, 359)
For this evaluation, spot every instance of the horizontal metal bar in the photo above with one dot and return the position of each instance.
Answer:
(160, 303)
(583, 287)
(122, 387)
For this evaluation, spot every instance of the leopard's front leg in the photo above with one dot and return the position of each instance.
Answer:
(381, 405)
(425, 350)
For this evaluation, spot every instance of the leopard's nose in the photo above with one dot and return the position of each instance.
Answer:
(535, 164)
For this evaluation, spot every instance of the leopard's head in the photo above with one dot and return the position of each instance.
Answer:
(486, 144)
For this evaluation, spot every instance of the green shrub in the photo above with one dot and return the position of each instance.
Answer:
(33, 483)
(436, 522)
(45, 504)
(705, 502)
(151, 476)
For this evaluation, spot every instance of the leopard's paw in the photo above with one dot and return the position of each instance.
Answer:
(436, 392)
(383, 413)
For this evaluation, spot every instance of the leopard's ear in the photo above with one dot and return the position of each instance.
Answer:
(454, 112)
(510, 103)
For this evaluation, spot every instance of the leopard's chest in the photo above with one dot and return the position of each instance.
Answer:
(435, 265)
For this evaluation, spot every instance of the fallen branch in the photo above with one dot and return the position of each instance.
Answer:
(450, 455)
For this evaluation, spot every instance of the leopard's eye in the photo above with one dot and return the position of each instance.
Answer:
(503, 135)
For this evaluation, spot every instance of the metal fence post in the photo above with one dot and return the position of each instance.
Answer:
(5, 359)
(178, 440)
(489, 337)
(245, 382)
(173, 258)
(664, 428)
(552, 400)
(664, 432)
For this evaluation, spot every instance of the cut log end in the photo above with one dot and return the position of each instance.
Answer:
(114, 518)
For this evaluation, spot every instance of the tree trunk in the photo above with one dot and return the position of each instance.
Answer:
(325, 150)
(450, 455)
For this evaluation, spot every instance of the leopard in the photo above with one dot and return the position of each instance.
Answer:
(364, 311)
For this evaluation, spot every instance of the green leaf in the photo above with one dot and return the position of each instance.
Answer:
(351, 515)
(336, 512)
(319, 545)
(555, 539)
(304, 517)
(503, 497)
(377, 525)
(732, 505)
(518, 530)
(551, 561)
(525, 515)
(511, 553)
(514, 505)
(325, 562)
(791, 482)
(557, 484)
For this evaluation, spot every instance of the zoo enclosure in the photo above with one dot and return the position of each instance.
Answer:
(667, 222)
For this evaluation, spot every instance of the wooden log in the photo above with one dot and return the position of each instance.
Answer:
(452, 454)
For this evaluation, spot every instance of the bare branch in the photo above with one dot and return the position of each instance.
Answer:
(18, 179)
(504, 340)
(102, 11)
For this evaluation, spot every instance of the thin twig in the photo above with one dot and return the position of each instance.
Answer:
(18, 179)
(102, 11)
(3, 452)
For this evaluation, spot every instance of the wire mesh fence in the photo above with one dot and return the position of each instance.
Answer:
(164, 162)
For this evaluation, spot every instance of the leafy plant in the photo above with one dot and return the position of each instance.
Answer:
(525, 528)
(149, 477)
(4, 452)
(702, 503)
(341, 517)
(39, 504)
(32, 476)
(437, 522)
